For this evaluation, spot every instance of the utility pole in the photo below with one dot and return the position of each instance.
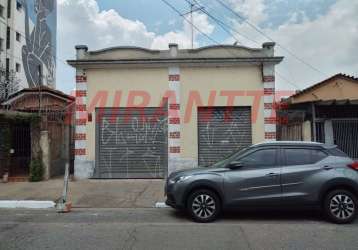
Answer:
(39, 68)
(192, 25)
(191, 12)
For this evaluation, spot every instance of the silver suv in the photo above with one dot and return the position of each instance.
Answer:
(268, 175)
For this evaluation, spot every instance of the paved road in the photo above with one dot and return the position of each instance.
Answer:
(167, 229)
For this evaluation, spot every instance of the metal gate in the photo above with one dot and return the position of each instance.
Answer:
(346, 136)
(131, 143)
(291, 132)
(21, 141)
(320, 134)
(222, 130)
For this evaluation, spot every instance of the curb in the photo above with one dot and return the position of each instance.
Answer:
(27, 204)
(161, 205)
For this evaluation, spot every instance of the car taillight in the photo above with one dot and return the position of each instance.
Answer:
(354, 165)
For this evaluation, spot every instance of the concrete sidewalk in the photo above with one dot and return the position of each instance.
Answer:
(90, 193)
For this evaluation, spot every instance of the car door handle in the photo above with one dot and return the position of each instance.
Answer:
(327, 167)
(272, 175)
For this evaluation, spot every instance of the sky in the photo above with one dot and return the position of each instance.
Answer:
(318, 38)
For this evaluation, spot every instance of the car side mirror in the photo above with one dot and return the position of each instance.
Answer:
(235, 165)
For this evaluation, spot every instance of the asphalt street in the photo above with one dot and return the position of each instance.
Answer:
(166, 229)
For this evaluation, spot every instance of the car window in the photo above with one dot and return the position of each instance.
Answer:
(303, 156)
(231, 157)
(260, 158)
(337, 152)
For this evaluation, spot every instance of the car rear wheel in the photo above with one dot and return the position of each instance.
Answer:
(340, 206)
(203, 206)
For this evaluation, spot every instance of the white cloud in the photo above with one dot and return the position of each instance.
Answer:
(82, 22)
(162, 41)
(201, 23)
(253, 10)
(329, 42)
(183, 37)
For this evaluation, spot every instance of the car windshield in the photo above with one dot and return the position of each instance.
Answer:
(229, 158)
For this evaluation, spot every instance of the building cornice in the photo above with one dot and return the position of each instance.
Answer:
(192, 62)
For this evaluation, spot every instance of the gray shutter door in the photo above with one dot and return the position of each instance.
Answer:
(221, 131)
(131, 143)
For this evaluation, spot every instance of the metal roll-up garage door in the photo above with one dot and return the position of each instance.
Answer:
(222, 130)
(131, 143)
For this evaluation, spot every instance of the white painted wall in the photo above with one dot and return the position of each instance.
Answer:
(3, 32)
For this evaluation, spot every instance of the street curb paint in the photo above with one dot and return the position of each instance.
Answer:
(27, 204)
(160, 205)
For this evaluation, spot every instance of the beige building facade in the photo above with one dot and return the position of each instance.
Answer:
(146, 113)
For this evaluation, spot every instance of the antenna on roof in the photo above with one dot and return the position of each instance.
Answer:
(192, 25)
(192, 10)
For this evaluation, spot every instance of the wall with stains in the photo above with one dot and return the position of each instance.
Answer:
(335, 89)
(221, 80)
(102, 87)
(111, 88)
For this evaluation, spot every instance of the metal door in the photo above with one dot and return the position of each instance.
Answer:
(222, 130)
(21, 143)
(131, 143)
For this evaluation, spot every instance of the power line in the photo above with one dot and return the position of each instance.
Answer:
(179, 13)
(217, 21)
(211, 39)
(268, 37)
(223, 25)
(192, 21)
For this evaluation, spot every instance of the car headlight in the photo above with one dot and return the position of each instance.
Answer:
(179, 179)
(183, 178)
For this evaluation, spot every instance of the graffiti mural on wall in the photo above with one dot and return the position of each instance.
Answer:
(222, 131)
(132, 144)
(39, 52)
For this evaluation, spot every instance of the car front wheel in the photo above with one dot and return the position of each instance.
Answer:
(340, 206)
(203, 206)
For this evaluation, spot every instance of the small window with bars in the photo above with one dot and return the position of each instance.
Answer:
(2, 10)
(1, 44)
(18, 67)
(8, 38)
(18, 37)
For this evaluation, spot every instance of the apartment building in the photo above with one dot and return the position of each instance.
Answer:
(27, 44)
